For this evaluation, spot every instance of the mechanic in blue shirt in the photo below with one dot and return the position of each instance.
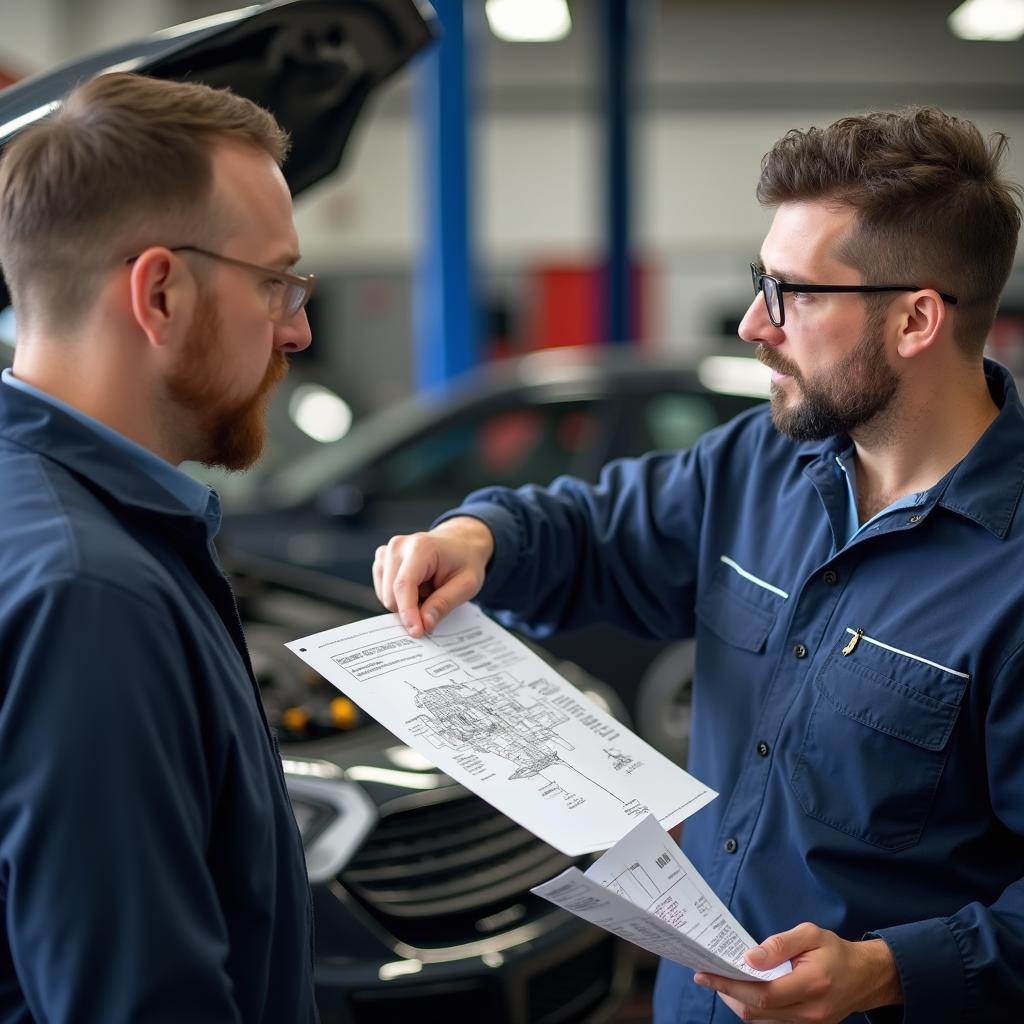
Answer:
(150, 865)
(851, 562)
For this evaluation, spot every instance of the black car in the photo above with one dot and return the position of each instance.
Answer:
(525, 420)
(421, 890)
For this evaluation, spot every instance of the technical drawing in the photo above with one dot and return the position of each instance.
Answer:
(487, 717)
(618, 759)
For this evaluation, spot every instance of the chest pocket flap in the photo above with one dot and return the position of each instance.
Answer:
(739, 609)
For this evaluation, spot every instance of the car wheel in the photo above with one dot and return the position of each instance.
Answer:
(664, 700)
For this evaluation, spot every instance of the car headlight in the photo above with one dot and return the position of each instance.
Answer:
(334, 815)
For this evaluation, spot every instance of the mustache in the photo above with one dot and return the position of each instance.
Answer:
(277, 370)
(770, 358)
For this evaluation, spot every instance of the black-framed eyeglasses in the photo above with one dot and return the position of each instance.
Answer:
(289, 292)
(772, 288)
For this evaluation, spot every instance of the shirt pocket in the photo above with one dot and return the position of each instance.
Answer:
(877, 740)
(738, 607)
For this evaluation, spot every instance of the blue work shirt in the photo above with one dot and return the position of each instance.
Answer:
(150, 864)
(858, 705)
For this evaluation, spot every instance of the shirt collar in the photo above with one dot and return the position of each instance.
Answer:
(986, 485)
(111, 459)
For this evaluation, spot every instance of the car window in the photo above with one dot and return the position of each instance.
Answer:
(510, 447)
(665, 420)
(676, 421)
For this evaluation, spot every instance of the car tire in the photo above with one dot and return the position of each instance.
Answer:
(664, 700)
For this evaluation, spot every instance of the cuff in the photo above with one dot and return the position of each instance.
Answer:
(502, 524)
(931, 972)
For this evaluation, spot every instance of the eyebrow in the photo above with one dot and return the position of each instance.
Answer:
(287, 260)
(783, 275)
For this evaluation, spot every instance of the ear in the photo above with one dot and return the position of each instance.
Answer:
(921, 319)
(163, 295)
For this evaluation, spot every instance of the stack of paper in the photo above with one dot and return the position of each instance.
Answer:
(644, 889)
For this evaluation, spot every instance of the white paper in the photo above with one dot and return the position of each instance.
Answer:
(492, 714)
(645, 890)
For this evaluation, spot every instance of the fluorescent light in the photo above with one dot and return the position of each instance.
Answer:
(992, 20)
(320, 413)
(529, 21)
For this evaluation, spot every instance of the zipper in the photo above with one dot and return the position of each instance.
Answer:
(856, 635)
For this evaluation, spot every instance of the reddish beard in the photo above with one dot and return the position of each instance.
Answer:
(229, 432)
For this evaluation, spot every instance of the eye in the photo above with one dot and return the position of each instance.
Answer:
(273, 284)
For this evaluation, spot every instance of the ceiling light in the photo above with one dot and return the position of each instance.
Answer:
(529, 21)
(992, 20)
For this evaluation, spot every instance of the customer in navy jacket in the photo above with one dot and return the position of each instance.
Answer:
(150, 866)
(851, 562)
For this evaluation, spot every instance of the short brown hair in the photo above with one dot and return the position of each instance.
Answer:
(125, 162)
(931, 206)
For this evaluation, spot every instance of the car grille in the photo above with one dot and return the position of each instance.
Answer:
(437, 874)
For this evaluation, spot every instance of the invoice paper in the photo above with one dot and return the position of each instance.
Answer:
(492, 714)
(645, 890)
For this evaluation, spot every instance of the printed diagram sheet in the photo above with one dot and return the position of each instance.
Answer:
(645, 890)
(488, 711)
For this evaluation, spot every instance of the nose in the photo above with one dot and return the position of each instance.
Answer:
(294, 335)
(756, 326)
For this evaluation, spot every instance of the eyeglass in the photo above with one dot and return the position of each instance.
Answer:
(772, 289)
(290, 293)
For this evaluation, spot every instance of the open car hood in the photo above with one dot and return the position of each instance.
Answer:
(312, 63)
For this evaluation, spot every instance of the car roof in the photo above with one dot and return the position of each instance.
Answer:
(539, 378)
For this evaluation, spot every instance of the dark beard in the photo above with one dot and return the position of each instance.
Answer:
(231, 433)
(851, 394)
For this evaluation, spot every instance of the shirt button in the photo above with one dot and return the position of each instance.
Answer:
(731, 846)
(830, 577)
(762, 748)
(799, 650)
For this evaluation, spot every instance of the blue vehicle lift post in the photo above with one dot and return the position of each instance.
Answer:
(618, 92)
(445, 307)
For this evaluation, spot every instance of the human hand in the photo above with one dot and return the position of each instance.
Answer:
(831, 978)
(443, 568)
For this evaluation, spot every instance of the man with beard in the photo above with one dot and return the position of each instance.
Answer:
(150, 864)
(850, 562)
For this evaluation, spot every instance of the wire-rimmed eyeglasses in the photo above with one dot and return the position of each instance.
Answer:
(772, 288)
(288, 292)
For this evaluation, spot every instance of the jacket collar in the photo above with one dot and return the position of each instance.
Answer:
(986, 485)
(32, 423)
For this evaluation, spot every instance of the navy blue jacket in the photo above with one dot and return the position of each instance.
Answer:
(860, 707)
(150, 865)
